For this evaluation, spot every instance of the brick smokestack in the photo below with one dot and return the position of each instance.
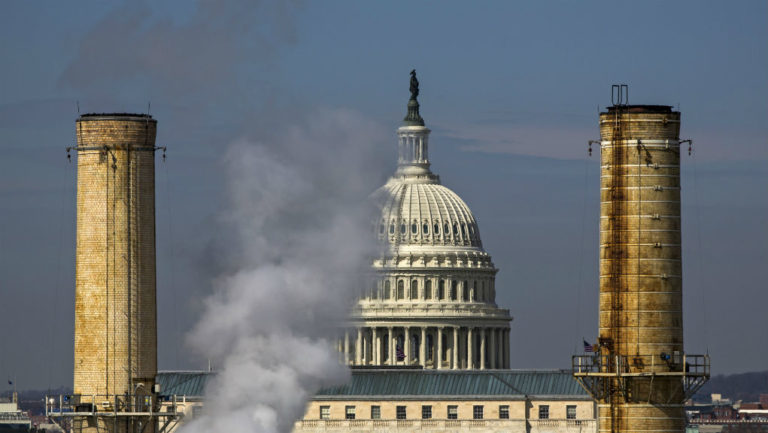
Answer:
(115, 302)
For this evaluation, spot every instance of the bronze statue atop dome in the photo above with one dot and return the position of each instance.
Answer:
(414, 84)
(413, 118)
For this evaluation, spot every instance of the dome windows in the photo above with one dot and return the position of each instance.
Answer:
(437, 229)
(441, 290)
(414, 228)
(446, 229)
(425, 229)
(414, 289)
(391, 229)
(402, 229)
(400, 290)
(387, 290)
(454, 290)
(463, 230)
(428, 289)
(455, 229)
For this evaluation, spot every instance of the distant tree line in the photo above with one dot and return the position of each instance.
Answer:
(742, 386)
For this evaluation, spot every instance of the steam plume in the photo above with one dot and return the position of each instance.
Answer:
(301, 241)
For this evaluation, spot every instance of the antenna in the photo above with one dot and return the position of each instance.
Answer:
(149, 107)
(78, 107)
(620, 94)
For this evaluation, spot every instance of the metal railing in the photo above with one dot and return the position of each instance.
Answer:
(108, 405)
(675, 364)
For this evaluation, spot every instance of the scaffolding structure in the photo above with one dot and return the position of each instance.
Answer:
(137, 413)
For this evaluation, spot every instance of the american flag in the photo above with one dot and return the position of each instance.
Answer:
(399, 352)
(589, 348)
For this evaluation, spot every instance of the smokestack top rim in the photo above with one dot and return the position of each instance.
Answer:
(650, 109)
(139, 117)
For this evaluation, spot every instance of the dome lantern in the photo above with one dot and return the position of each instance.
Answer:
(413, 139)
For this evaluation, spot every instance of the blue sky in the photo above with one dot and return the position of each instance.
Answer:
(511, 91)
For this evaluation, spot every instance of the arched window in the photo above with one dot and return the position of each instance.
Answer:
(425, 229)
(391, 229)
(428, 289)
(414, 289)
(446, 229)
(441, 290)
(465, 292)
(437, 228)
(454, 285)
(400, 290)
(463, 230)
(455, 229)
(414, 228)
(402, 229)
(387, 290)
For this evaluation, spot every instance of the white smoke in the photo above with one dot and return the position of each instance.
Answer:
(302, 239)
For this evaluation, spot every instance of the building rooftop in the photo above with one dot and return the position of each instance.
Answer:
(415, 383)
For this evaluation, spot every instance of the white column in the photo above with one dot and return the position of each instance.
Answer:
(359, 347)
(455, 350)
(407, 348)
(482, 348)
(470, 348)
(375, 353)
(346, 347)
(506, 348)
(500, 351)
(423, 347)
(439, 357)
(493, 349)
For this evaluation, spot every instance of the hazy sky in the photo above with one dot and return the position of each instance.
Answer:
(510, 89)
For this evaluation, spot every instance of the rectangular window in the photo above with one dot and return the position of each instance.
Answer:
(349, 412)
(570, 412)
(477, 412)
(400, 412)
(504, 412)
(426, 412)
(375, 412)
(325, 412)
(544, 411)
(453, 412)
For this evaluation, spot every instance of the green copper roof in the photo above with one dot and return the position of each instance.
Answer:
(414, 383)
(188, 383)
(458, 383)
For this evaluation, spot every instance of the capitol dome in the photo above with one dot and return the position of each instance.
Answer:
(431, 297)
(425, 214)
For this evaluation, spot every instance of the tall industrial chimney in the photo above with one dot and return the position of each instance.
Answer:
(640, 374)
(115, 305)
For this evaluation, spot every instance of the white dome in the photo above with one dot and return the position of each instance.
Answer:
(423, 212)
(430, 299)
